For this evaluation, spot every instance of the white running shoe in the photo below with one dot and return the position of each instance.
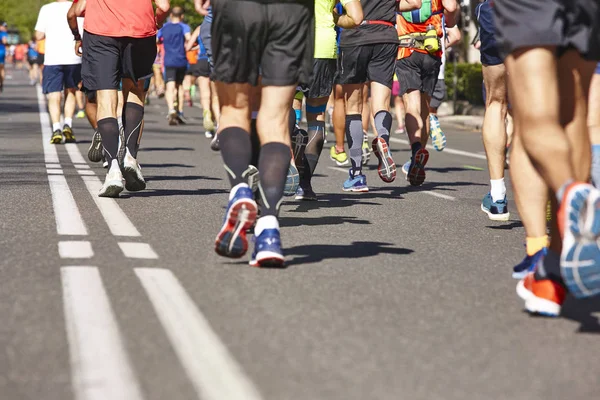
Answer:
(113, 185)
(132, 172)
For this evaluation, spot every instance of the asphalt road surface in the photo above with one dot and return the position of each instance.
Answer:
(399, 293)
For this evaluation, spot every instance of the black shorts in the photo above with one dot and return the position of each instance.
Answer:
(32, 61)
(203, 67)
(418, 71)
(278, 37)
(40, 59)
(367, 63)
(562, 23)
(175, 74)
(106, 60)
(439, 94)
(323, 76)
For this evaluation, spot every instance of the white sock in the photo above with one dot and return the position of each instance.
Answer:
(56, 127)
(69, 122)
(266, 222)
(498, 190)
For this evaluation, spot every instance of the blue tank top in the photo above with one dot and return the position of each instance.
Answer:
(202, 55)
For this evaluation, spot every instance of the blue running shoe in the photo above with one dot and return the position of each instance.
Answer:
(305, 192)
(239, 217)
(579, 224)
(355, 183)
(405, 168)
(292, 181)
(438, 138)
(528, 264)
(416, 171)
(496, 210)
(267, 250)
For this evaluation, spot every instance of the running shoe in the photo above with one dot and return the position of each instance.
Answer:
(292, 181)
(496, 210)
(305, 192)
(355, 183)
(438, 138)
(57, 137)
(113, 184)
(209, 134)
(95, 151)
(528, 264)
(252, 177)
(405, 168)
(240, 215)
(181, 119)
(80, 114)
(132, 172)
(299, 142)
(267, 250)
(416, 170)
(399, 131)
(207, 121)
(68, 133)
(579, 225)
(387, 166)
(173, 118)
(122, 146)
(341, 159)
(366, 151)
(104, 162)
(543, 297)
(214, 143)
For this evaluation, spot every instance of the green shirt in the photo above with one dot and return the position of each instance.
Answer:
(325, 35)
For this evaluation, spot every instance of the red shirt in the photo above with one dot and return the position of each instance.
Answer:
(120, 18)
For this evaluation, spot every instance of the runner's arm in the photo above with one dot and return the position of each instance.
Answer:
(453, 36)
(191, 42)
(202, 6)
(352, 17)
(408, 5)
(451, 12)
(162, 10)
(77, 9)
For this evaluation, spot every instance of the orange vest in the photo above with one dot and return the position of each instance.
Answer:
(405, 27)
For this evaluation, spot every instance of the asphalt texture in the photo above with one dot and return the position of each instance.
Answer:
(398, 293)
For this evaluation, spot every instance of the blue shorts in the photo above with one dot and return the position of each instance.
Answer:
(60, 77)
(2, 57)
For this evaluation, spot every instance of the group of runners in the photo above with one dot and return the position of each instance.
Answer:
(266, 59)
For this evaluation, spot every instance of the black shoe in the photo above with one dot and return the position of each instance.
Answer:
(68, 132)
(95, 150)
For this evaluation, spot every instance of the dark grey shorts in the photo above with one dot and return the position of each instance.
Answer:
(562, 23)
(418, 71)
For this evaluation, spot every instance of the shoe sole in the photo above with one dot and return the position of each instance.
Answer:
(291, 182)
(231, 241)
(537, 305)
(306, 198)
(496, 217)
(299, 142)
(416, 172)
(95, 150)
(580, 256)
(133, 183)
(357, 190)
(387, 166)
(340, 164)
(113, 189)
(56, 140)
(438, 140)
(208, 135)
(208, 124)
(268, 259)
(70, 140)
(173, 121)
(366, 155)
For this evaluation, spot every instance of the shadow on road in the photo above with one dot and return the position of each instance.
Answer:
(144, 149)
(181, 178)
(506, 227)
(166, 165)
(173, 192)
(319, 221)
(444, 170)
(314, 253)
(582, 311)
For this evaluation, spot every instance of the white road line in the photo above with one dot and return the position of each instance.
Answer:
(82, 166)
(138, 250)
(446, 150)
(51, 166)
(115, 218)
(75, 249)
(50, 154)
(207, 362)
(340, 169)
(54, 172)
(66, 213)
(436, 194)
(86, 172)
(100, 366)
(75, 154)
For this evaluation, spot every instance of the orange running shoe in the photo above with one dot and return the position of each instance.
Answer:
(543, 297)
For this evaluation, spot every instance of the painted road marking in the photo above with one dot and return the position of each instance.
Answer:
(446, 150)
(67, 216)
(137, 250)
(75, 249)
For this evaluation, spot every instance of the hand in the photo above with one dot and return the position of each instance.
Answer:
(477, 44)
(202, 6)
(78, 48)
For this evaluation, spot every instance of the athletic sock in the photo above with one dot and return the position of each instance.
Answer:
(383, 125)
(596, 165)
(273, 165)
(255, 143)
(354, 137)
(415, 147)
(292, 121)
(316, 139)
(109, 131)
(69, 122)
(535, 244)
(236, 150)
(134, 116)
(498, 189)
(56, 127)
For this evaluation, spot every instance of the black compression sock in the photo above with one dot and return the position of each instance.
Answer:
(273, 166)
(416, 147)
(133, 116)
(109, 131)
(236, 150)
(255, 143)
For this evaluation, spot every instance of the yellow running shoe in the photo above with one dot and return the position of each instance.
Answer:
(207, 121)
(68, 133)
(57, 137)
(549, 211)
(80, 114)
(341, 158)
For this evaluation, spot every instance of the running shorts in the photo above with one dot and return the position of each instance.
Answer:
(106, 60)
(203, 67)
(57, 78)
(439, 94)
(367, 63)
(418, 71)
(278, 37)
(175, 74)
(323, 75)
(562, 23)
(192, 70)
